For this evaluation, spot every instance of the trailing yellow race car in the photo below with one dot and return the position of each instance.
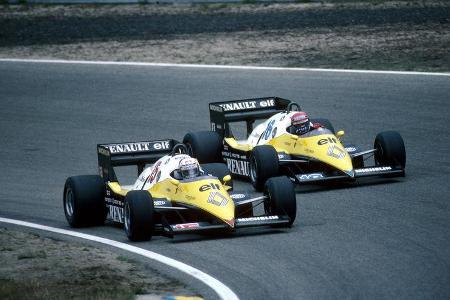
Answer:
(289, 143)
(174, 194)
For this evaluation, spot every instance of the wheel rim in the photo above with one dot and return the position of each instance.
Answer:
(268, 203)
(127, 217)
(378, 154)
(69, 202)
(253, 167)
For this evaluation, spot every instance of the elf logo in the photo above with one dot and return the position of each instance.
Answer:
(209, 186)
(326, 141)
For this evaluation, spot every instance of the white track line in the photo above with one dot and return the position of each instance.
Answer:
(87, 62)
(222, 290)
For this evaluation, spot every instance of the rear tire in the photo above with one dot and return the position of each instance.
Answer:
(204, 145)
(139, 215)
(219, 170)
(390, 149)
(281, 198)
(84, 200)
(263, 165)
(325, 123)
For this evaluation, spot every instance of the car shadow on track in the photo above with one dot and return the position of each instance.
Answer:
(221, 235)
(362, 182)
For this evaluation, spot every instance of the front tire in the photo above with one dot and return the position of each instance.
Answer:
(263, 165)
(204, 145)
(281, 198)
(390, 149)
(139, 215)
(84, 200)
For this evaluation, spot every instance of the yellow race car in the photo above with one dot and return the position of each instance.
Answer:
(272, 148)
(174, 194)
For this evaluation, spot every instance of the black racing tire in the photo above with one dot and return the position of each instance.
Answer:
(281, 198)
(263, 164)
(325, 123)
(206, 146)
(139, 215)
(390, 149)
(219, 170)
(84, 200)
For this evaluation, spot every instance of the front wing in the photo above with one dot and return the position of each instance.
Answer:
(305, 178)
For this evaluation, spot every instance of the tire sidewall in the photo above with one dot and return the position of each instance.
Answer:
(140, 215)
(281, 198)
(88, 200)
(263, 164)
(390, 149)
(205, 146)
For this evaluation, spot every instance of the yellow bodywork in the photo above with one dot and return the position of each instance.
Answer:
(207, 194)
(325, 147)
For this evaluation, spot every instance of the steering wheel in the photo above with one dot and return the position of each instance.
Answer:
(293, 107)
(179, 149)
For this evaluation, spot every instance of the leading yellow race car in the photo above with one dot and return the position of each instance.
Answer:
(174, 194)
(271, 148)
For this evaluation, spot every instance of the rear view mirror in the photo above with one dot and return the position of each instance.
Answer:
(227, 178)
(175, 182)
(340, 134)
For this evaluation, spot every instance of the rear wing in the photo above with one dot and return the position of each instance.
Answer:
(248, 110)
(130, 153)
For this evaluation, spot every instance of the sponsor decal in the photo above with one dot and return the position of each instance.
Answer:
(209, 186)
(154, 172)
(138, 147)
(281, 155)
(103, 151)
(262, 218)
(274, 132)
(190, 198)
(267, 103)
(309, 150)
(115, 213)
(350, 149)
(215, 108)
(186, 226)
(240, 167)
(326, 141)
(159, 202)
(112, 201)
(237, 196)
(141, 178)
(311, 176)
(217, 198)
(268, 130)
(375, 169)
(245, 105)
(336, 152)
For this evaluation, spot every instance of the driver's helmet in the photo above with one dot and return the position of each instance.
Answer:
(189, 168)
(300, 123)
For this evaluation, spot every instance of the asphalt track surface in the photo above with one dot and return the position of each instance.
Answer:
(383, 239)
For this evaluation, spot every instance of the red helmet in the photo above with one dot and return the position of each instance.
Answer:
(299, 118)
(300, 123)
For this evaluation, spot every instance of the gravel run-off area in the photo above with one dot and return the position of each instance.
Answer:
(402, 35)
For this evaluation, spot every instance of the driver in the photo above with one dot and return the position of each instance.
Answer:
(189, 168)
(300, 124)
